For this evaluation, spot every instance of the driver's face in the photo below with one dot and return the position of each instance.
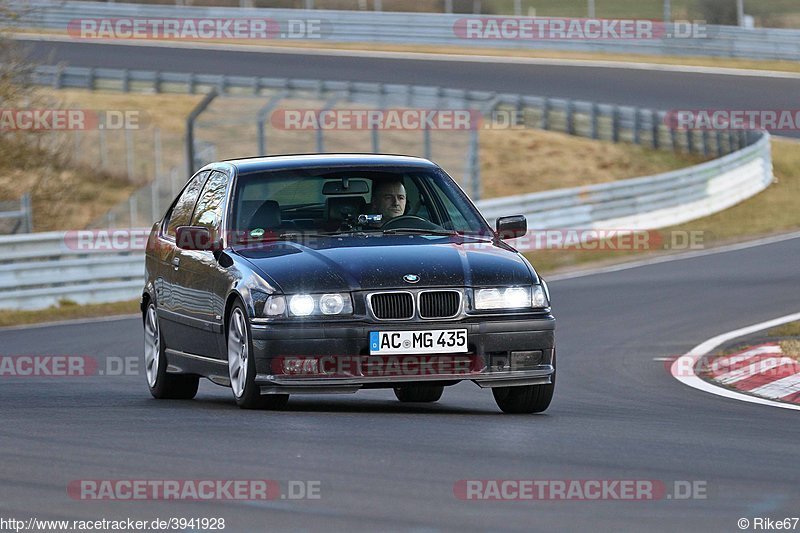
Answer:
(389, 200)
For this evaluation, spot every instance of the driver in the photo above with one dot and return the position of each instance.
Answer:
(389, 199)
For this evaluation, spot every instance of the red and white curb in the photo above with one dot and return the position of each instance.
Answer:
(762, 371)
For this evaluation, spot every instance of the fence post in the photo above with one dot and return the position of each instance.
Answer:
(129, 155)
(263, 114)
(320, 133)
(204, 103)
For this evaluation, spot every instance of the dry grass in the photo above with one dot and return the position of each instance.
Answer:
(67, 311)
(792, 329)
(521, 161)
(791, 348)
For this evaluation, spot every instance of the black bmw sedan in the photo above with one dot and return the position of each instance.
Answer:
(334, 273)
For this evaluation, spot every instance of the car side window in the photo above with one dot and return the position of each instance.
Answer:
(182, 211)
(209, 208)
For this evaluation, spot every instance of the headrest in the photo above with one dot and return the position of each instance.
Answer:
(267, 216)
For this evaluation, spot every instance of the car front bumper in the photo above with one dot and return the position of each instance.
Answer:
(491, 343)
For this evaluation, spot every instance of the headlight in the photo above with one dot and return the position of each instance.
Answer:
(511, 298)
(302, 305)
(503, 298)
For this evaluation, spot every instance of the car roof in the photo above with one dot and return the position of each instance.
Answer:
(286, 162)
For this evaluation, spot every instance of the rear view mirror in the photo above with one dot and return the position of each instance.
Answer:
(511, 227)
(345, 186)
(195, 238)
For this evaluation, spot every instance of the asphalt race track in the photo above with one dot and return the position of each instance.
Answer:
(617, 414)
(652, 89)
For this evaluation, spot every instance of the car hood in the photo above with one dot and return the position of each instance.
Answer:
(352, 263)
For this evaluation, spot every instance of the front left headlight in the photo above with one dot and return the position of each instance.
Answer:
(511, 298)
(304, 305)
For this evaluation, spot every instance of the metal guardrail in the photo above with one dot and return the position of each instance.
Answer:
(427, 28)
(100, 275)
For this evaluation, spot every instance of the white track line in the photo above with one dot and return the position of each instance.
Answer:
(683, 367)
(420, 56)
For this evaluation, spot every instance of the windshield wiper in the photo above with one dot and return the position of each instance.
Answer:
(418, 231)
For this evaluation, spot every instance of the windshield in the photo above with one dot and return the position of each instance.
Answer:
(352, 199)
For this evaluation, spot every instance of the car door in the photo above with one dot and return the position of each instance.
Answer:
(169, 304)
(199, 276)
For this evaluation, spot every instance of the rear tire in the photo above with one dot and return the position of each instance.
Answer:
(163, 386)
(242, 366)
(419, 393)
(526, 399)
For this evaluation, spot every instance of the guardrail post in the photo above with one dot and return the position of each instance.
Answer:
(673, 138)
(545, 120)
(615, 123)
(637, 126)
(90, 82)
(656, 129)
(204, 103)
(705, 143)
(27, 213)
(594, 118)
(126, 81)
(448, 6)
(426, 140)
(690, 141)
(718, 140)
(570, 117)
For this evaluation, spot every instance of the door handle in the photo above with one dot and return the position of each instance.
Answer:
(176, 262)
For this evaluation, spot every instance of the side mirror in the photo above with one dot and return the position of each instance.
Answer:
(195, 238)
(511, 227)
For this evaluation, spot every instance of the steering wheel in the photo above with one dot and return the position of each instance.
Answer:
(410, 221)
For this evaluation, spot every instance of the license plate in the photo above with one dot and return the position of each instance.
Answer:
(418, 342)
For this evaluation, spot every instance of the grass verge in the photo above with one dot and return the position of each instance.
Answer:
(67, 311)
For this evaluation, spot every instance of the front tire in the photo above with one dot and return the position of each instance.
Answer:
(242, 366)
(162, 385)
(419, 393)
(526, 399)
